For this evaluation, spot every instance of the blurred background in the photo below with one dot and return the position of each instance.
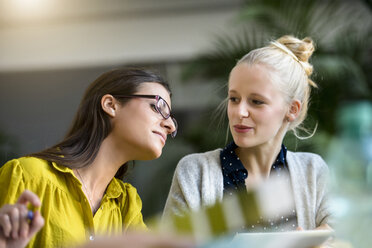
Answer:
(51, 50)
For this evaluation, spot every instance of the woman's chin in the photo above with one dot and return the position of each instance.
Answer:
(152, 154)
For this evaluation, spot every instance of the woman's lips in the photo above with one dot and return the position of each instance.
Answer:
(242, 128)
(162, 136)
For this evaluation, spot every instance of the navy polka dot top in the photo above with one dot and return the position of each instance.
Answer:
(234, 175)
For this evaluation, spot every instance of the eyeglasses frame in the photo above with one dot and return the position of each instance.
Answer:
(157, 98)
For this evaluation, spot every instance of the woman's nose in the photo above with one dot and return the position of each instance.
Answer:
(243, 111)
(170, 125)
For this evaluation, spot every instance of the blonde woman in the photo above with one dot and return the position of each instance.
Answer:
(268, 95)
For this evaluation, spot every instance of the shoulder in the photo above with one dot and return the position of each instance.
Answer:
(27, 162)
(128, 193)
(126, 187)
(306, 158)
(29, 166)
(197, 159)
(197, 162)
(309, 165)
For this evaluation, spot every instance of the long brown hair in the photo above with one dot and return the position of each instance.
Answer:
(91, 124)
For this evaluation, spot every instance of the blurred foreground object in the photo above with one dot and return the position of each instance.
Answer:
(219, 225)
(271, 200)
(290, 239)
(139, 240)
(350, 161)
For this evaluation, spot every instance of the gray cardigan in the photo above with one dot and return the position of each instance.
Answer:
(198, 181)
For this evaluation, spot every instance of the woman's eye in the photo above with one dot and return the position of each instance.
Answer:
(153, 107)
(233, 99)
(257, 102)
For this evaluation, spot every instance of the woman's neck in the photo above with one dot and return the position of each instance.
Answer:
(258, 160)
(97, 175)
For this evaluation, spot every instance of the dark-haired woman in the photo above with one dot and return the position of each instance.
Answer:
(124, 115)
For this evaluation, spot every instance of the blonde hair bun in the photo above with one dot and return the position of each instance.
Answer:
(303, 49)
(300, 50)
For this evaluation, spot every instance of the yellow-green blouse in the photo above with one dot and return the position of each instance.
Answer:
(65, 208)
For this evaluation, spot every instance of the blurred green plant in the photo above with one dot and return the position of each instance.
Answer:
(342, 31)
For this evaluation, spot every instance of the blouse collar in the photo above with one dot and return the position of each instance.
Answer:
(114, 190)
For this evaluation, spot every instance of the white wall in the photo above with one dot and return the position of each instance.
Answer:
(70, 33)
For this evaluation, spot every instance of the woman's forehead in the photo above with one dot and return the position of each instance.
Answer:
(254, 80)
(245, 75)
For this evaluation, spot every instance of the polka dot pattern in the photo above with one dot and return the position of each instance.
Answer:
(234, 175)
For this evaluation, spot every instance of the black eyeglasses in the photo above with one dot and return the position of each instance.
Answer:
(161, 107)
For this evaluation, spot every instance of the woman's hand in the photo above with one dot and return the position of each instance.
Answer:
(17, 225)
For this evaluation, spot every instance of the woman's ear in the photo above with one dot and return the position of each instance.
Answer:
(294, 110)
(108, 104)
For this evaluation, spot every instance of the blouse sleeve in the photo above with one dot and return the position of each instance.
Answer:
(11, 182)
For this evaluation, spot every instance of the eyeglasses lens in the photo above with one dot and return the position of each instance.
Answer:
(175, 123)
(176, 126)
(163, 108)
